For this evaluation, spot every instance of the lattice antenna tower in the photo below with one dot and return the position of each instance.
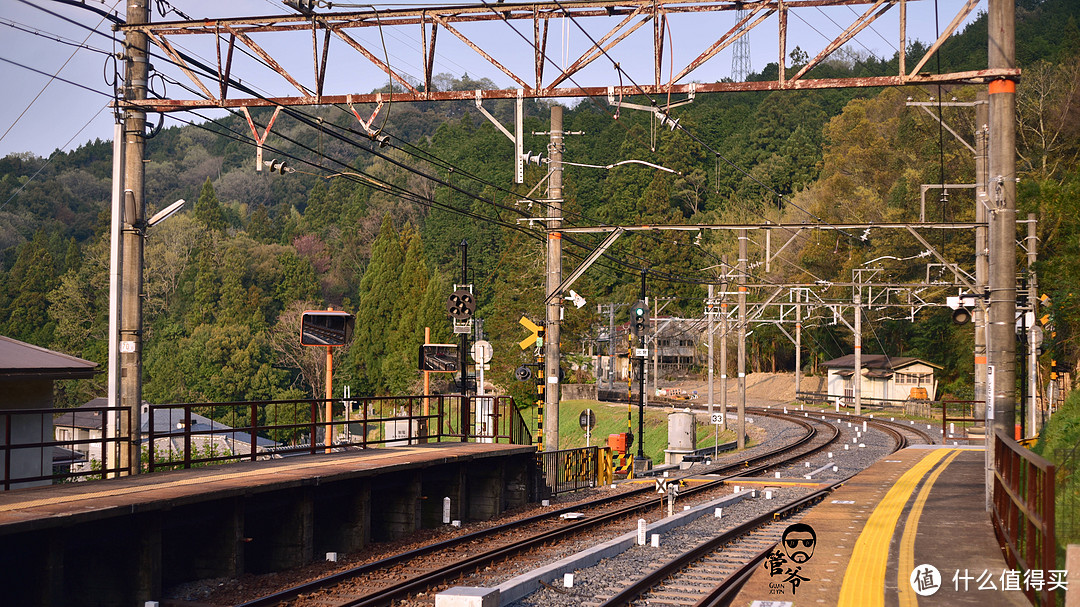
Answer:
(740, 61)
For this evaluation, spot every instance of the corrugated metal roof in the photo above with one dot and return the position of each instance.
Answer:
(19, 360)
(876, 361)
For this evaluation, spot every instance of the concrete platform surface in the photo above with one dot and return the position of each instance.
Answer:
(27, 509)
(878, 538)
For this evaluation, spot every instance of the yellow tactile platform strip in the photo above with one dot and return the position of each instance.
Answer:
(858, 539)
(91, 494)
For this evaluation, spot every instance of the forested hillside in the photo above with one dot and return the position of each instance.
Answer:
(227, 279)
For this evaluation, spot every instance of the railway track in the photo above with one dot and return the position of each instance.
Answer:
(710, 573)
(385, 581)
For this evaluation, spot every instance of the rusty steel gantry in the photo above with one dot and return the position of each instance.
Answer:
(530, 81)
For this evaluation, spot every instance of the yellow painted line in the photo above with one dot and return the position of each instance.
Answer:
(64, 499)
(908, 598)
(864, 581)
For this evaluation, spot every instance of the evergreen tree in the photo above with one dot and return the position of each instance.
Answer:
(379, 301)
(208, 209)
(24, 309)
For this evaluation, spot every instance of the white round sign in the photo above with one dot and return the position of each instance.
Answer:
(481, 352)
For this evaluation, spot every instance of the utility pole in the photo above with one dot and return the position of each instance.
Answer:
(135, 79)
(982, 201)
(611, 347)
(641, 395)
(740, 438)
(463, 349)
(1001, 405)
(554, 279)
(723, 339)
(856, 380)
(798, 341)
(709, 315)
(1030, 316)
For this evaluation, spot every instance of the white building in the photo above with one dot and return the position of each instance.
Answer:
(884, 378)
(27, 373)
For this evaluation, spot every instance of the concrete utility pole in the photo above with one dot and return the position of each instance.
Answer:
(1032, 329)
(982, 201)
(856, 379)
(554, 279)
(1001, 414)
(798, 342)
(740, 438)
(136, 73)
(1001, 187)
(709, 315)
(724, 339)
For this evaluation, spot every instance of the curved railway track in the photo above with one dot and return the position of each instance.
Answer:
(393, 585)
(709, 574)
(413, 572)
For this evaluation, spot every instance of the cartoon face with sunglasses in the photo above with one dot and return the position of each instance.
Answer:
(798, 541)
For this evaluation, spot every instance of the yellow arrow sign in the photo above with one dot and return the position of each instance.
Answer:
(532, 327)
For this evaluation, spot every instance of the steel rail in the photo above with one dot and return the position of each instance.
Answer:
(405, 587)
(723, 592)
(635, 590)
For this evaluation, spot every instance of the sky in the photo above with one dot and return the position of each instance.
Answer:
(41, 114)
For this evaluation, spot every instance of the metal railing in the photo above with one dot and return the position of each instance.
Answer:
(45, 446)
(192, 434)
(572, 469)
(957, 416)
(1023, 512)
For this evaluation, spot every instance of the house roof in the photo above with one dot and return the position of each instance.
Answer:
(21, 361)
(877, 362)
(166, 421)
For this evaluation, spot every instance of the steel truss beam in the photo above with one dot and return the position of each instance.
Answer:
(631, 16)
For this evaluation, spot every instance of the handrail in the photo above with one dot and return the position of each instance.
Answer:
(1023, 510)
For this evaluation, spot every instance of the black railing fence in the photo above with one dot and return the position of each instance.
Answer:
(44, 446)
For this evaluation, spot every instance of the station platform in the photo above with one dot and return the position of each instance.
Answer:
(120, 541)
(874, 537)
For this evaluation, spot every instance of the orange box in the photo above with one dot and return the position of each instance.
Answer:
(617, 442)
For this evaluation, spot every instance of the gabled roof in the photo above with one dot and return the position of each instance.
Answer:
(166, 421)
(877, 362)
(22, 361)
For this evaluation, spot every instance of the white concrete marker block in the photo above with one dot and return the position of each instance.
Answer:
(685, 508)
(655, 540)
(912, 422)
(446, 511)
(892, 419)
(718, 512)
(331, 556)
(861, 445)
(768, 495)
(665, 473)
(777, 475)
(545, 503)
(150, 604)
(568, 580)
(735, 489)
(835, 468)
(830, 454)
(612, 485)
(464, 596)
(846, 447)
(928, 426)
(455, 523)
(864, 425)
(807, 465)
(641, 525)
